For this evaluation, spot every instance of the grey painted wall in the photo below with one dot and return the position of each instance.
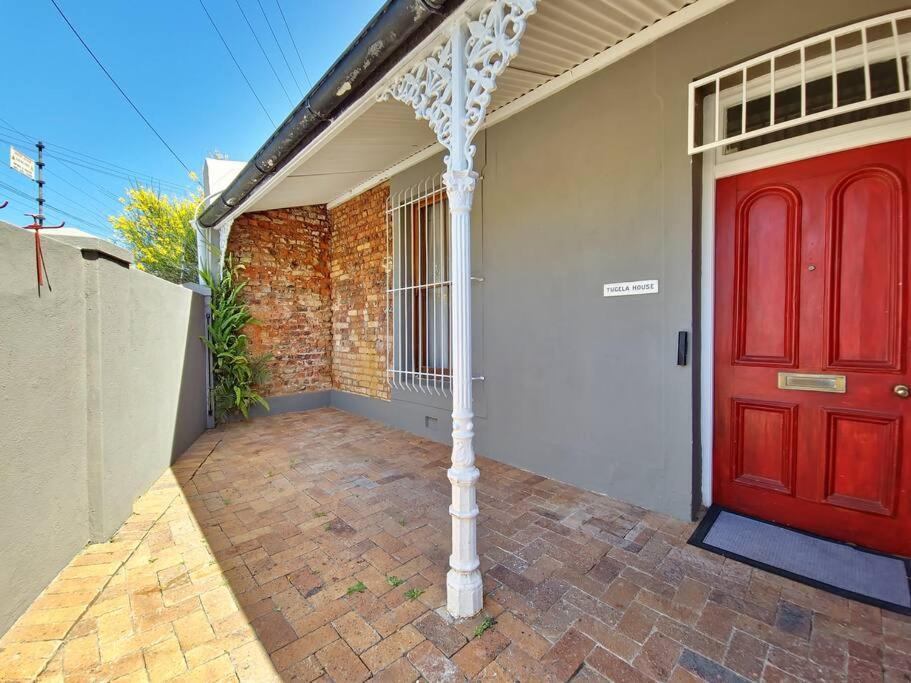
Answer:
(594, 185)
(101, 385)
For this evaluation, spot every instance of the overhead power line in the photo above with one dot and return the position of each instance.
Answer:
(31, 199)
(103, 168)
(102, 190)
(263, 50)
(280, 48)
(104, 205)
(293, 42)
(236, 63)
(69, 153)
(117, 85)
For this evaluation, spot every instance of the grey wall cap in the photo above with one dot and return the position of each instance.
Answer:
(198, 288)
(101, 247)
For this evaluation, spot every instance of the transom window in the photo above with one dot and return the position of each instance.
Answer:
(418, 289)
(849, 74)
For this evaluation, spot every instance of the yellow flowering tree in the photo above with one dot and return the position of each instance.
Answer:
(157, 228)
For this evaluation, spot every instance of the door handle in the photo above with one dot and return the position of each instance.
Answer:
(901, 390)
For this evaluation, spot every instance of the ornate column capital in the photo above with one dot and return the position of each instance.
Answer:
(460, 187)
(471, 63)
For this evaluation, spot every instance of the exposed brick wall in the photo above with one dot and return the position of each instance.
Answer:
(286, 254)
(358, 276)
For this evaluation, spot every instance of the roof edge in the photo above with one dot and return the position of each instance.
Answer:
(393, 32)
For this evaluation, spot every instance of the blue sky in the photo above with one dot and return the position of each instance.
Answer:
(170, 61)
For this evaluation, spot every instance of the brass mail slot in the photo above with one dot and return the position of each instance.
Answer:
(801, 381)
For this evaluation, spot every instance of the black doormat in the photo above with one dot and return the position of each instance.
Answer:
(840, 568)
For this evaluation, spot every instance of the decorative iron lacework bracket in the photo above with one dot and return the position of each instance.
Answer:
(451, 89)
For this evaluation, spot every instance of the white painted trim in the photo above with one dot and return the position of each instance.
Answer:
(859, 134)
(707, 321)
(715, 166)
(602, 60)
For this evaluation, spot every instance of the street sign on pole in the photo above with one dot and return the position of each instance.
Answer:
(21, 163)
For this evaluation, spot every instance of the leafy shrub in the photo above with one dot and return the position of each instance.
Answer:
(236, 372)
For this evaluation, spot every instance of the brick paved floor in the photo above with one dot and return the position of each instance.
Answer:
(269, 552)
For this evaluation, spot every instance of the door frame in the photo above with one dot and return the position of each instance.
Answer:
(715, 165)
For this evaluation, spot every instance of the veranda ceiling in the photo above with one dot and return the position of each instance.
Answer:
(563, 37)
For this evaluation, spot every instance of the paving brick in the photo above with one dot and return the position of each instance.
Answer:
(273, 630)
(614, 668)
(433, 665)
(165, 660)
(341, 663)
(658, 656)
(522, 635)
(568, 653)
(746, 655)
(389, 649)
(794, 620)
(357, 633)
(442, 634)
(480, 651)
(707, 669)
(303, 647)
(193, 630)
(400, 671)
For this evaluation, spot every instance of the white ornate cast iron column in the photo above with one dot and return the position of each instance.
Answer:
(451, 89)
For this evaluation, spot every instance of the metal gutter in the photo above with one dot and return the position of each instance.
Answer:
(393, 31)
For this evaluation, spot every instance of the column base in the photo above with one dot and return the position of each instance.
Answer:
(464, 593)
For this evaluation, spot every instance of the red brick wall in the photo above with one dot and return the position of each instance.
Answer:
(286, 254)
(358, 276)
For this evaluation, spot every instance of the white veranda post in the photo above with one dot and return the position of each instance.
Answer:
(451, 88)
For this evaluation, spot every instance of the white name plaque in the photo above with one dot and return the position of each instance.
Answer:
(631, 288)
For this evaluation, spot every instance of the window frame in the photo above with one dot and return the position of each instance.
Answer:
(419, 268)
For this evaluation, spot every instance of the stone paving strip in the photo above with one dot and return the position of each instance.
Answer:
(314, 546)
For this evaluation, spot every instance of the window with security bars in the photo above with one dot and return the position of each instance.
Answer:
(418, 289)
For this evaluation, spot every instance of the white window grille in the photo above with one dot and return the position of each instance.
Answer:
(418, 289)
(847, 74)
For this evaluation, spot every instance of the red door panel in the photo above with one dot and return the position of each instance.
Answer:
(810, 268)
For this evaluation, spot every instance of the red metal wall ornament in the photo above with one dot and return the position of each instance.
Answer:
(40, 266)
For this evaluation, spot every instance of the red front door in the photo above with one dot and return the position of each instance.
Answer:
(811, 260)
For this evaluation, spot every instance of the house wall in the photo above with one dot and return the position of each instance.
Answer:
(285, 254)
(358, 281)
(316, 283)
(594, 185)
(589, 186)
(102, 385)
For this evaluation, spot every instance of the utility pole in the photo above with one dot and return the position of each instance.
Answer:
(37, 225)
(40, 217)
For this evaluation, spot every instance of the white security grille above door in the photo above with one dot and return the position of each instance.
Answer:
(851, 73)
(418, 289)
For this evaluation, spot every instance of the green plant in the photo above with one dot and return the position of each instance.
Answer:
(237, 372)
(359, 587)
(157, 228)
(483, 626)
(320, 514)
(414, 593)
(394, 581)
